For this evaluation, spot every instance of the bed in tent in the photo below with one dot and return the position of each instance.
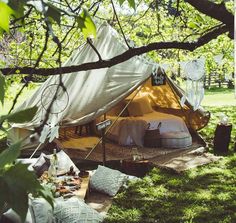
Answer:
(90, 94)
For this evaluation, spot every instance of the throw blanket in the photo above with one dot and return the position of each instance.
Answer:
(130, 127)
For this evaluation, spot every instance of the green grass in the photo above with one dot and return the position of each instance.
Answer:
(219, 97)
(208, 132)
(205, 194)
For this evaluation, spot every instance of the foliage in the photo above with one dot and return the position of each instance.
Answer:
(16, 181)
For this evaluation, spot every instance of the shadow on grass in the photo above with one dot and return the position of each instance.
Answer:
(205, 194)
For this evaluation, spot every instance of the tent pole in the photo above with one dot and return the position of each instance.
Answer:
(37, 148)
(138, 89)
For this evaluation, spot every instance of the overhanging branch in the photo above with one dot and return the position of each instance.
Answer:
(120, 58)
(216, 11)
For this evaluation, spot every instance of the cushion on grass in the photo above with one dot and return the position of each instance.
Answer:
(107, 181)
(75, 210)
(176, 139)
(12, 217)
(42, 210)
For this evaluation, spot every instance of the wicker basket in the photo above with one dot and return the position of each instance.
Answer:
(152, 138)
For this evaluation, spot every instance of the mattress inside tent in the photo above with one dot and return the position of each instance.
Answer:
(169, 123)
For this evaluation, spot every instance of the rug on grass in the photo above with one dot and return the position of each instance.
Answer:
(187, 160)
(177, 159)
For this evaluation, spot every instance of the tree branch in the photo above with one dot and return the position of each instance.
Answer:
(191, 46)
(89, 41)
(122, 32)
(216, 11)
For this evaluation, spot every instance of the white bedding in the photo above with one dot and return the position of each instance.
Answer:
(169, 123)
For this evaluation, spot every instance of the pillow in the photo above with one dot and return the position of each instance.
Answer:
(42, 210)
(107, 181)
(75, 210)
(140, 106)
(64, 162)
(116, 110)
(135, 109)
(146, 106)
(12, 216)
(42, 164)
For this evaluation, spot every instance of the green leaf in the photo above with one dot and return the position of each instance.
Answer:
(132, 4)
(20, 182)
(86, 24)
(46, 193)
(2, 88)
(5, 12)
(18, 7)
(4, 193)
(192, 25)
(22, 116)
(54, 13)
(9, 155)
(121, 2)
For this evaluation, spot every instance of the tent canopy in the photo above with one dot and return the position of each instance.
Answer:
(92, 93)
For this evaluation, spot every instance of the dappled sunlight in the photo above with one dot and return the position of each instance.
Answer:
(203, 194)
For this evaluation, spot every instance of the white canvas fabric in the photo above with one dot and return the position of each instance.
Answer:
(93, 92)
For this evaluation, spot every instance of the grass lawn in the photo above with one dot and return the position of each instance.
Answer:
(206, 194)
(219, 97)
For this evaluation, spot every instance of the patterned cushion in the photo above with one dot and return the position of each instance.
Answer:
(176, 139)
(12, 217)
(42, 210)
(107, 180)
(75, 210)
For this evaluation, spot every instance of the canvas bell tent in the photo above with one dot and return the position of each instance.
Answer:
(89, 94)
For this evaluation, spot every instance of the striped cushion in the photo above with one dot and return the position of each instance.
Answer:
(176, 139)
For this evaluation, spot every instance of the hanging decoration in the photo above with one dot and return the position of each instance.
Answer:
(194, 72)
(158, 77)
(60, 98)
